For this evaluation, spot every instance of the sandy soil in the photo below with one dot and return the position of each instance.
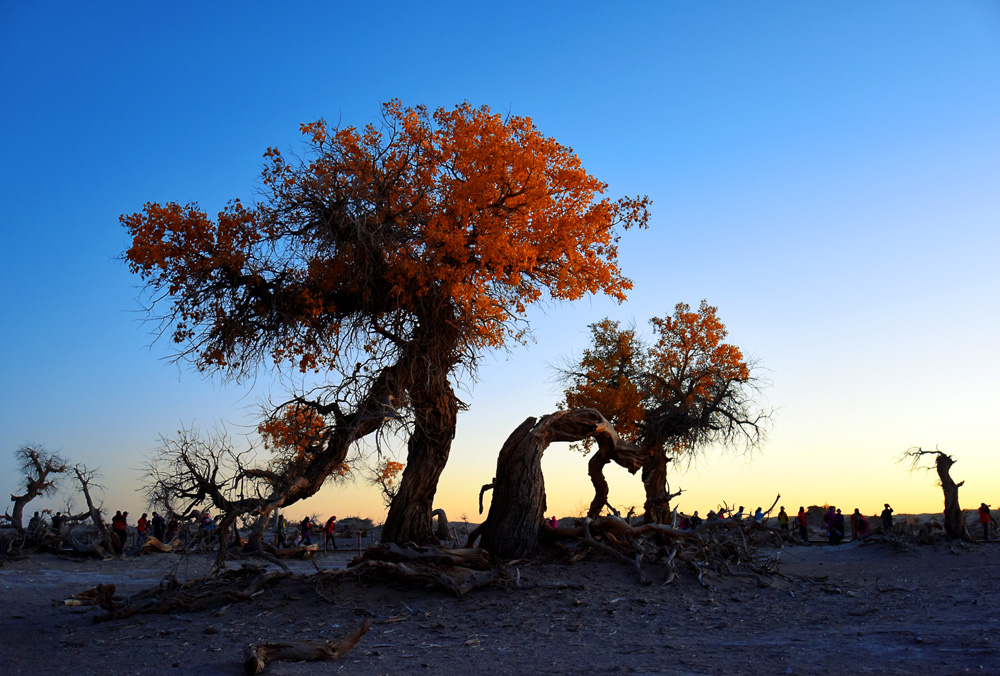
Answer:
(844, 610)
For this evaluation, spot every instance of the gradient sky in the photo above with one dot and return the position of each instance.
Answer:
(825, 174)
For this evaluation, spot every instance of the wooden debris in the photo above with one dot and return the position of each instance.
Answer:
(257, 656)
(457, 580)
(152, 545)
(176, 597)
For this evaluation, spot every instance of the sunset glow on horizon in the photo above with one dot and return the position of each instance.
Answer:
(825, 176)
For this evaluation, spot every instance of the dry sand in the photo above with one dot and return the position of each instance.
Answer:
(846, 610)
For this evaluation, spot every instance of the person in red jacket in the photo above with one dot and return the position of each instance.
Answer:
(329, 533)
(801, 519)
(119, 526)
(141, 529)
(984, 519)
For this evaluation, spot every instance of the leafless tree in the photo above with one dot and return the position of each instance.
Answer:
(87, 479)
(41, 470)
(954, 520)
(191, 472)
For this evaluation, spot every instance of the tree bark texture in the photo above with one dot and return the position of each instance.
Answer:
(654, 480)
(518, 506)
(435, 419)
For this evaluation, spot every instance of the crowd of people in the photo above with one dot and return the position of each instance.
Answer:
(834, 522)
(834, 525)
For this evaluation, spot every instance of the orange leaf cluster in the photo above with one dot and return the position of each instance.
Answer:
(609, 378)
(387, 471)
(691, 358)
(294, 433)
(667, 394)
(461, 218)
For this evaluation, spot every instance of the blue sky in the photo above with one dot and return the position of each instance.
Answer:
(826, 175)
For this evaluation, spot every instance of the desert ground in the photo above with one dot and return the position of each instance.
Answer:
(848, 609)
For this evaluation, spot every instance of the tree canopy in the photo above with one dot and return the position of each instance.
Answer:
(685, 390)
(385, 257)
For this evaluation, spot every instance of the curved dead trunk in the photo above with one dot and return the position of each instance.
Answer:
(17, 515)
(435, 418)
(518, 507)
(443, 528)
(623, 454)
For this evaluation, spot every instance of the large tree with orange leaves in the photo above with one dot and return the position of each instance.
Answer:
(386, 258)
(685, 390)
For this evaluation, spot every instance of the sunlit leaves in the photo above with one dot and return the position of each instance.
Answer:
(688, 386)
(386, 478)
(294, 432)
(461, 218)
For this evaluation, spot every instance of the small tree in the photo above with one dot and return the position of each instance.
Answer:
(41, 470)
(954, 520)
(686, 390)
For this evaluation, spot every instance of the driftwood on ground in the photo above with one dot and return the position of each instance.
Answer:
(232, 586)
(724, 547)
(258, 655)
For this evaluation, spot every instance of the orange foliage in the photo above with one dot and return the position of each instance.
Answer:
(608, 379)
(294, 433)
(386, 473)
(692, 362)
(461, 217)
(681, 389)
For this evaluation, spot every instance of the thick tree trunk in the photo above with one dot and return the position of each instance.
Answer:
(435, 418)
(17, 515)
(954, 520)
(518, 506)
(654, 480)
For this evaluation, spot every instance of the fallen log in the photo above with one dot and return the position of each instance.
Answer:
(101, 596)
(174, 599)
(469, 557)
(299, 552)
(257, 656)
(457, 580)
(153, 545)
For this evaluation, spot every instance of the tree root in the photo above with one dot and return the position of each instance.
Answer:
(725, 547)
(458, 580)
